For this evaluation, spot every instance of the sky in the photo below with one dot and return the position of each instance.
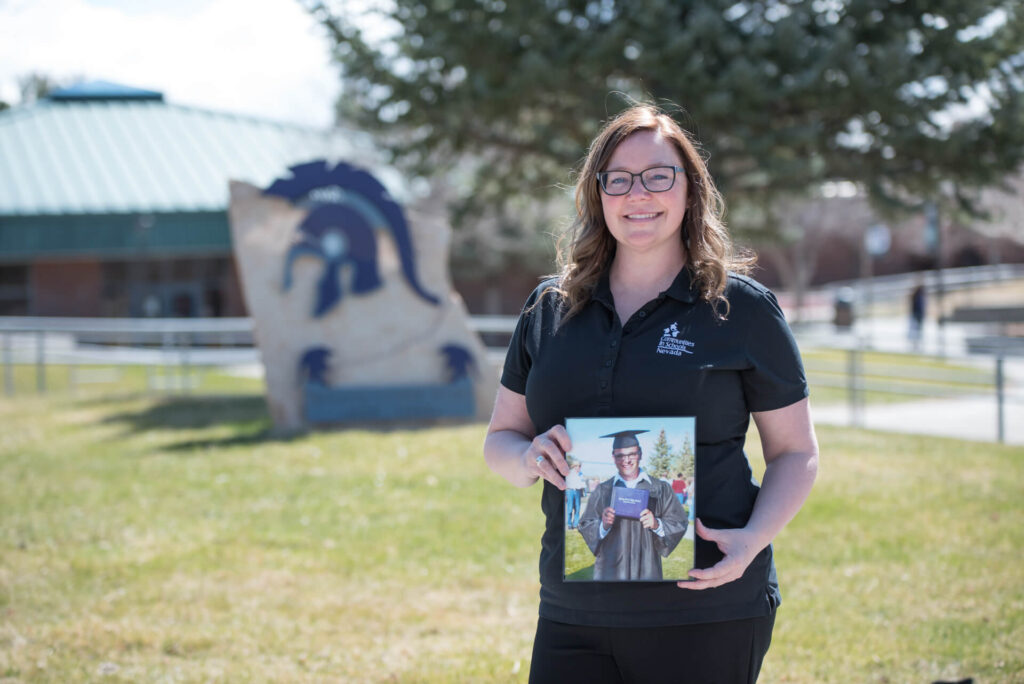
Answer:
(266, 58)
(595, 452)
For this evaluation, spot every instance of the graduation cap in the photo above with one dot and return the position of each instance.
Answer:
(625, 438)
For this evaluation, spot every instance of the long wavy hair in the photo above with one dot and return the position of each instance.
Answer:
(585, 251)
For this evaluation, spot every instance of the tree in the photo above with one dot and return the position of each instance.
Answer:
(659, 464)
(684, 462)
(897, 96)
(805, 226)
(36, 85)
(1005, 211)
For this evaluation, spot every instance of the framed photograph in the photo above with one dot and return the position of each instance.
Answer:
(630, 499)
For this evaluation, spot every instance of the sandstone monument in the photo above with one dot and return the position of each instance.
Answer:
(354, 312)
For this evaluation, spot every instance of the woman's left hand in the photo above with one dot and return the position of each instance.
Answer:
(739, 547)
(791, 463)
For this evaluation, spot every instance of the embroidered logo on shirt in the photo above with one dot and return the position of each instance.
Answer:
(671, 344)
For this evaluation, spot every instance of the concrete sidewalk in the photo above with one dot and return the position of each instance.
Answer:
(971, 418)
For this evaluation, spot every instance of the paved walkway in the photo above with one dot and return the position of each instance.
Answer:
(972, 418)
(966, 417)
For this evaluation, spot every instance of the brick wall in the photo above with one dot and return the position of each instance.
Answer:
(65, 288)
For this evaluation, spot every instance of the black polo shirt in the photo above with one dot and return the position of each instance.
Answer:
(673, 357)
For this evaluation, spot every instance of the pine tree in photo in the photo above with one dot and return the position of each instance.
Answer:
(660, 463)
(684, 461)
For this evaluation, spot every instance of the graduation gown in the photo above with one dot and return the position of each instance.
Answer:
(628, 551)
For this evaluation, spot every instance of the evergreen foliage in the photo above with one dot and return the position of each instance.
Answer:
(905, 98)
(660, 462)
(684, 462)
(665, 463)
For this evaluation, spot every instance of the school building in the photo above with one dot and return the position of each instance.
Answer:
(113, 202)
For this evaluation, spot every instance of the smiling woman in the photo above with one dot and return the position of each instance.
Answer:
(643, 138)
(649, 258)
(647, 215)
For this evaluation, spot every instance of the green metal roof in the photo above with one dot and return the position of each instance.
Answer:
(108, 152)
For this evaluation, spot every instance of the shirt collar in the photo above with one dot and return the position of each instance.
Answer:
(603, 292)
(681, 289)
(642, 477)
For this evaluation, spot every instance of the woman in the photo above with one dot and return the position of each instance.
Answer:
(649, 257)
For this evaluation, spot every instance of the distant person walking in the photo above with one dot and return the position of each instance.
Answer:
(918, 304)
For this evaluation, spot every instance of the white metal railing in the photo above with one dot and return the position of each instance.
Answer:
(173, 344)
(898, 285)
(172, 348)
(126, 326)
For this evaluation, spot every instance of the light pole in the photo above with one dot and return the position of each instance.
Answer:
(876, 243)
(933, 238)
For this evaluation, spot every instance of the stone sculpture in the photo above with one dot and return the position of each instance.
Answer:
(355, 316)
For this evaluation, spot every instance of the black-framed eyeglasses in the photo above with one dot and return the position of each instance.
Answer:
(655, 179)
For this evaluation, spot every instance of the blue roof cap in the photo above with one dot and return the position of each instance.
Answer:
(104, 90)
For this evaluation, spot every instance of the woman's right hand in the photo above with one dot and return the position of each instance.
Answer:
(545, 457)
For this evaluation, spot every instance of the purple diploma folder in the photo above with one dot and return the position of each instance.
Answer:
(629, 503)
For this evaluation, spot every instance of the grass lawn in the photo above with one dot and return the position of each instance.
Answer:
(89, 380)
(579, 561)
(150, 539)
(888, 377)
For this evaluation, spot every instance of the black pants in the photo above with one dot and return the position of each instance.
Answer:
(710, 653)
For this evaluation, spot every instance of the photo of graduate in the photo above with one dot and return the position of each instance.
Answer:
(632, 519)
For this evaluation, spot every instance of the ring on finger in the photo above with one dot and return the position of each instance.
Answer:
(539, 460)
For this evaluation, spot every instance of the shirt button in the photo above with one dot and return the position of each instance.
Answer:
(604, 383)
(608, 363)
(613, 343)
(642, 314)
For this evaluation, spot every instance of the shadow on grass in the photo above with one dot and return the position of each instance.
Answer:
(192, 413)
(262, 435)
(248, 414)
